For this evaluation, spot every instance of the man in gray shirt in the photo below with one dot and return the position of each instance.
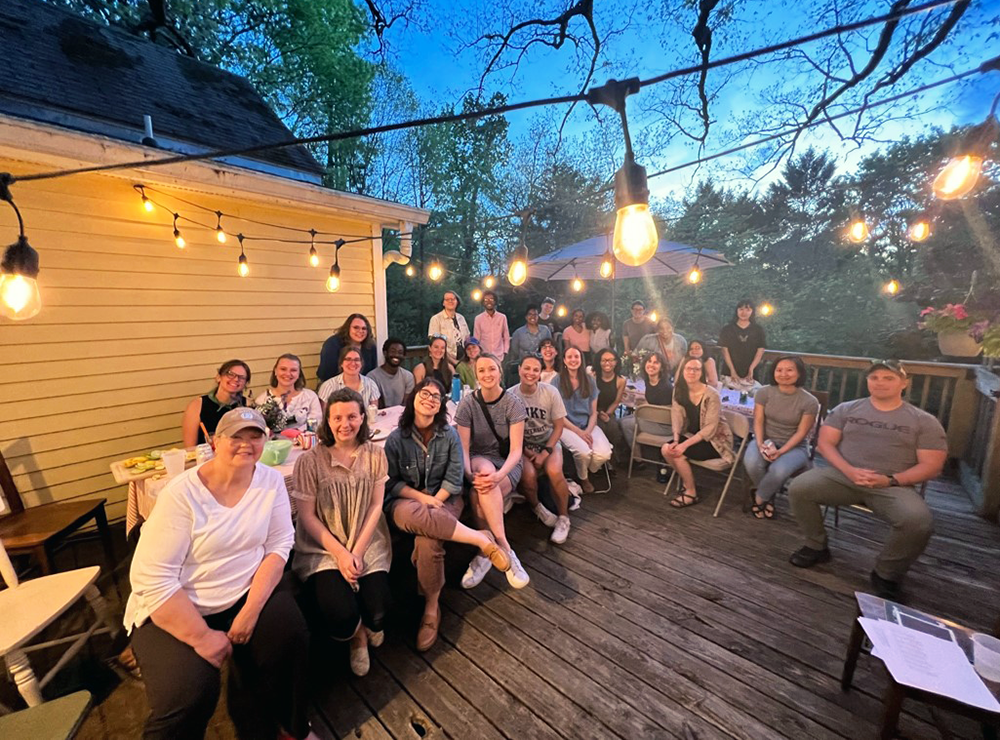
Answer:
(879, 449)
(393, 381)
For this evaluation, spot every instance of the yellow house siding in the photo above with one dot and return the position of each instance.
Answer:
(132, 327)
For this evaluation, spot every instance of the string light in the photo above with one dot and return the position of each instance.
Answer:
(178, 239)
(313, 254)
(919, 230)
(961, 174)
(20, 298)
(147, 204)
(333, 279)
(891, 287)
(576, 285)
(607, 268)
(410, 271)
(243, 267)
(477, 295)
(489, 282)
(561, 311)
(220, 234)
(694, 275)
(857, 232)
(517, 273)
(435, 272)
(653, 317)
(765, 309)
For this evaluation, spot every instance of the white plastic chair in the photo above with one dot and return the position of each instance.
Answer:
(27, 608)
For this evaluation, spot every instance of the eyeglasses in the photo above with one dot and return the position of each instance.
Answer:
(427, 395)
(235, 376)
(352, 360)
(894, 365)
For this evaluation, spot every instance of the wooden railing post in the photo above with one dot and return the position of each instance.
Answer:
(962, 417)
(988, 385)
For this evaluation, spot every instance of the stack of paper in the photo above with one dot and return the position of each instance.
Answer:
(928, 663)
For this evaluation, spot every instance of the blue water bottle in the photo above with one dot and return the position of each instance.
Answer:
(456, 389)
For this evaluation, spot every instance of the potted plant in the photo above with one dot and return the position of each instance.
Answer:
(987, 333)
(952, 324)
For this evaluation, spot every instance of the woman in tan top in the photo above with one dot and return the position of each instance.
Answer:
(342, 550)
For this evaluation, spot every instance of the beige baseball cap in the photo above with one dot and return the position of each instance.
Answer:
(240, 418)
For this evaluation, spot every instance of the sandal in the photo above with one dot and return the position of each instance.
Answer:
(684, 499)
(762, 511)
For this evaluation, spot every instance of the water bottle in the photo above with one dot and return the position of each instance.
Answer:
(456, 389)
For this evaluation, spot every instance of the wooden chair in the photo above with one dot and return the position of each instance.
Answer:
(38, 531)
(29, 607)
(740, 426)
(648, 412)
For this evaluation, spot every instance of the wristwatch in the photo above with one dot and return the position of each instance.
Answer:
(892, 481)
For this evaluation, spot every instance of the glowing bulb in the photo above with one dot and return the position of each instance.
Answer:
(765, 309)
(333, 281)
(891, 287)
(477, 295)
(653, 317)
(607, 268)
(147, 204)
(489, 282)
(635, 239)
(694, 275)
(220, 235)
(178, 239)
(561, 311)
(244, 267)
(517, 273)
(858, 231)
(313, 257)
(410, 271)
(577, 285)
(920, 231)
(958, 177)
(19, 297)
(435, 272)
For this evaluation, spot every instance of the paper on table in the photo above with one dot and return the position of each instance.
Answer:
(928, 663)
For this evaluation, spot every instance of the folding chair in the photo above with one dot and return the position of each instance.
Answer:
(652, 413)
(740, 427)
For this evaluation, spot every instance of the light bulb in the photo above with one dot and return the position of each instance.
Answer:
(178, 239)
(919, 231)
(477, 295)
(607, 268)
(333, 281)
(313, 257)
(765, 309)
(653, 317)
(891, 287)
(576, 285)
(19, 297)
(858, 231)
(489, 282)
(517, 273)
(635, 239)
(561, 311)
(435, 272)
(694, 275)
(958, 177)
(147, 204)
(244, 267)
(220, 235)
(410, 271)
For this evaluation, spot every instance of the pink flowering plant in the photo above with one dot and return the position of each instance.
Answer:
(953, 317)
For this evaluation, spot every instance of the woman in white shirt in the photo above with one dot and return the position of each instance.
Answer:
(351, 377)
(205, 586)
(288, 389)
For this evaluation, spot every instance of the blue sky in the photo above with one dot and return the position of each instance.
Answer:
(439, 71)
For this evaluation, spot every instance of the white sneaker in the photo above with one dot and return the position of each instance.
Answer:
(561, 531)
(516, 576)
(574, 502)
(476, 571)
(574, 487)
(545, 516)
(508, 504)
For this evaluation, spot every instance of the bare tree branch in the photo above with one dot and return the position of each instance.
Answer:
(703, 40)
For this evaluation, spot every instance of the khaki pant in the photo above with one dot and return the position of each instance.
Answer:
(909, 518)
(430, 527)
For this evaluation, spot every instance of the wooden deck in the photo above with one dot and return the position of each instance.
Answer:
(648, 622)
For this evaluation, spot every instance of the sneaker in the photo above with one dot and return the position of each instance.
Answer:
(516, 576)
(884, 588)
(545, 516)
(476, 571)
(561, 531)
(662, 476)
(574, 502)
(508, 504)
(806, 557)
(574, 487)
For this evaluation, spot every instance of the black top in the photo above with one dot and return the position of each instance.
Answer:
(661, 394)
(329, 356)
(607, 390)
(693, 414)
(212, 412)
(742, 344)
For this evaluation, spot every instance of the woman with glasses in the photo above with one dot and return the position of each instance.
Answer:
(550, 360)
(288, 389)
(490, 424)
(696, 349)
(342, 550)
(203, 413)
(424, 496)
(581, 435)
(207, 586)
(450, 324)
(355, 332)
(436, 364)
(351, 377)
(610, 389)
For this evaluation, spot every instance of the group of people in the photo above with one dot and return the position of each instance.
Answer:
(209, 576)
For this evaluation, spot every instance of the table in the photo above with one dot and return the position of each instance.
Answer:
(873, 607)
(635, 394)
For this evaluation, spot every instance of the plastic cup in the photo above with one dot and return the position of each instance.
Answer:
(986, 656)
(173, 462)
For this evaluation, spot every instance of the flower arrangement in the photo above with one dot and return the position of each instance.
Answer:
(953, 317)
(273, 414)
(632, 363)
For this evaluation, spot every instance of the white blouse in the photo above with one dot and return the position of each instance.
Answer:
(211, 552)
(369, 389)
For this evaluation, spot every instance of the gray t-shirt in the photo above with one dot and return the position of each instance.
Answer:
(505, 411)
(544, 407)
(885, 441)
(394, 387)
(784, 411)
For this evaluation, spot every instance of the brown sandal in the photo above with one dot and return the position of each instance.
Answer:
(427, 635)
(498, 557)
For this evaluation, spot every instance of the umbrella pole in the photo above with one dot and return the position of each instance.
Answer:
(614, 283)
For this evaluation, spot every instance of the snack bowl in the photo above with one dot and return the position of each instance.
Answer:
(276, 451)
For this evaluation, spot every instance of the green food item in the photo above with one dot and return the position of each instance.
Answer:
(154, 455)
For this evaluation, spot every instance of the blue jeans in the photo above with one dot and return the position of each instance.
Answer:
(769, 477)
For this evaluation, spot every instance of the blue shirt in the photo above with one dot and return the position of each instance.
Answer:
(523, 342)
(578, 407)
(428, 469)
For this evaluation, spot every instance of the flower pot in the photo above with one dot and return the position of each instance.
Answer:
(958, 344)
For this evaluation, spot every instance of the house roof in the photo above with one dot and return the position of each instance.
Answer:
(63, 69)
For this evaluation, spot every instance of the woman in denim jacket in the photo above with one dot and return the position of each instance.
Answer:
(423, 496)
